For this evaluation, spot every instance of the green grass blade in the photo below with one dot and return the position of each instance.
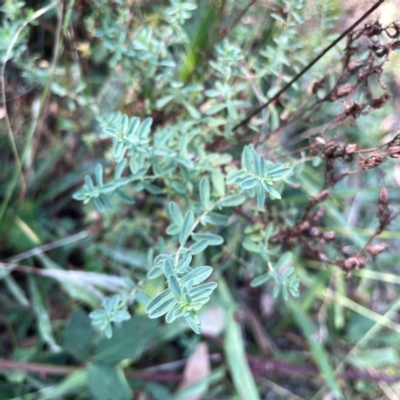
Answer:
(234, 348)
(318, 352)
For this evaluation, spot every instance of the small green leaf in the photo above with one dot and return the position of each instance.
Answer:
(263, 252)
(217, 178)
(159, 299)
(161, 309)
(176, 214)
(205, 193)
(215, 218)
(271, 190)
(249, 183)
(260, 280)
(213, 240)
(232, 200)
(174, 286)
(99, 174)
(168, 269)
(247, 159)
(186, 227)
(199, 246)
(283, 260)
(201, 289)
(260, 197)
(197, 276)
(155, 272)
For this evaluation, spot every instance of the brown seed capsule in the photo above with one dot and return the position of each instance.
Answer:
(394, 151)
(375, 249)
(314, 232)
(339, 175)
(321, 197)
(354, 262)
(329, 235)
(383, 196)
(351, 149)
(304, 225)
(344, 90)
(353, 65)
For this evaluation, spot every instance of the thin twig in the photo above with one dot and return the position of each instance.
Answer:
(47, 247)
(307, 67)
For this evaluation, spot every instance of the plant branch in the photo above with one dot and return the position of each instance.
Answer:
(308, 66)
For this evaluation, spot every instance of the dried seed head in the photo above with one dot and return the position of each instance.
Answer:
(339, 176)
(344, 90)
(372, 162)
(330, 148)
(323, 257)
(314, 232)
(395, 45)
(329, 235)
(379, 101)
(351, 149)
(354, 262)
(383, 197)
(372, 29)
(304, 225)
(353, 65)
(375, 249)
(318, 85)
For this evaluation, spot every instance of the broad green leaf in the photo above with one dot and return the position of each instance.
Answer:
(107, 382)
(128, 340)
(79, 335)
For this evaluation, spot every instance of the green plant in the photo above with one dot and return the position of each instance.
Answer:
(227, 177)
